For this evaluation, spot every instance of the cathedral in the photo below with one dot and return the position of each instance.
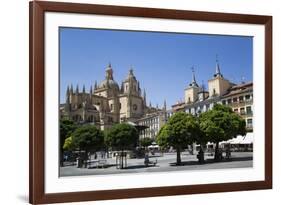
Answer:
(106, 103)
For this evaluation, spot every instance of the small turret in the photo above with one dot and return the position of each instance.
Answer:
(71, 89)
(96, 85)
(67, 103)
(84, 89)
(67, 91)
(165, 105)
(109, 72)
(77, 90)
(144, 97)
(91, 90)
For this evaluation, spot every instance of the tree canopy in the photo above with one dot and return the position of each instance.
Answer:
(87, 137)
(66, 129)
(146, 141)
(121, 136)
(180, 131)
(221, 124)
(68, 144)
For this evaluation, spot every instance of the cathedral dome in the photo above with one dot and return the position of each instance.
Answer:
(108, 83)
(130, 76)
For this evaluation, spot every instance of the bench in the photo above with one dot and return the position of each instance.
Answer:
(102, 163)
(92, 162)
(97, 163)
(148, 162)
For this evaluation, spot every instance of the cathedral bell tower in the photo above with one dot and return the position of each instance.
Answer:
(132, 102)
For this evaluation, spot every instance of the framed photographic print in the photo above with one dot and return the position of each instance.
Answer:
(132, 102)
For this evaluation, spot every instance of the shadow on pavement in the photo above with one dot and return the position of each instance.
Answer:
(211, 161)
(104, 167)
(140, 166)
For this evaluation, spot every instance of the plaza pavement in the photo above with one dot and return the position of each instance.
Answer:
(165, 163)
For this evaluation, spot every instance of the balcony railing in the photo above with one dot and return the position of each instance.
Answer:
(240, 103)
(246, 114)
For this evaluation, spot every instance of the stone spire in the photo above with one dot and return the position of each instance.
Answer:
(67, 104)
(218, 71)
(91, 90)
(71, 89)
(131, 73)
(144, 96)
(203, 86)
(67, 95)
(96, 85)
(165, 105)
(109, 72)
(193, 82)
(67, 91)
(77, 89)
(84, 89)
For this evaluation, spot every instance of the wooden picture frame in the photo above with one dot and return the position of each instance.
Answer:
(37, 101)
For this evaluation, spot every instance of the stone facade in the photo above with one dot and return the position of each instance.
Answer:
(153, 122)
(106, 103)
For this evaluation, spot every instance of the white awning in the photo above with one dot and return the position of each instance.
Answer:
(153, 146)
(248, 139)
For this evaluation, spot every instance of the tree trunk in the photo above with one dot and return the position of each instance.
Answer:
(201, 155)
(122, 159)
(217, 152)
(61, 158)
(86, 158)
(178, 156)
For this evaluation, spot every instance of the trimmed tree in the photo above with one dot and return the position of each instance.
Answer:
(87, 138)
(221, 124)
(121, 137)
(145, 142)
(178, 132)
(67, 127)
(202, 140)
(68, 144)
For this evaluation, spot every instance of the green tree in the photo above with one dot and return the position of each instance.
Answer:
(201, 139)
(87, 138)
(67, 127)
(145, 142)
(68, 144)
(180, 131)
(221, 124)
(121, 137)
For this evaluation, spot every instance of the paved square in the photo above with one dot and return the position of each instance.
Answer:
(165, 163)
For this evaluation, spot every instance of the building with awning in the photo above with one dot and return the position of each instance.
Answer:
(240, 143)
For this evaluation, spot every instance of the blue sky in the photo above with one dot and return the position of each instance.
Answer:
(161, 61)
